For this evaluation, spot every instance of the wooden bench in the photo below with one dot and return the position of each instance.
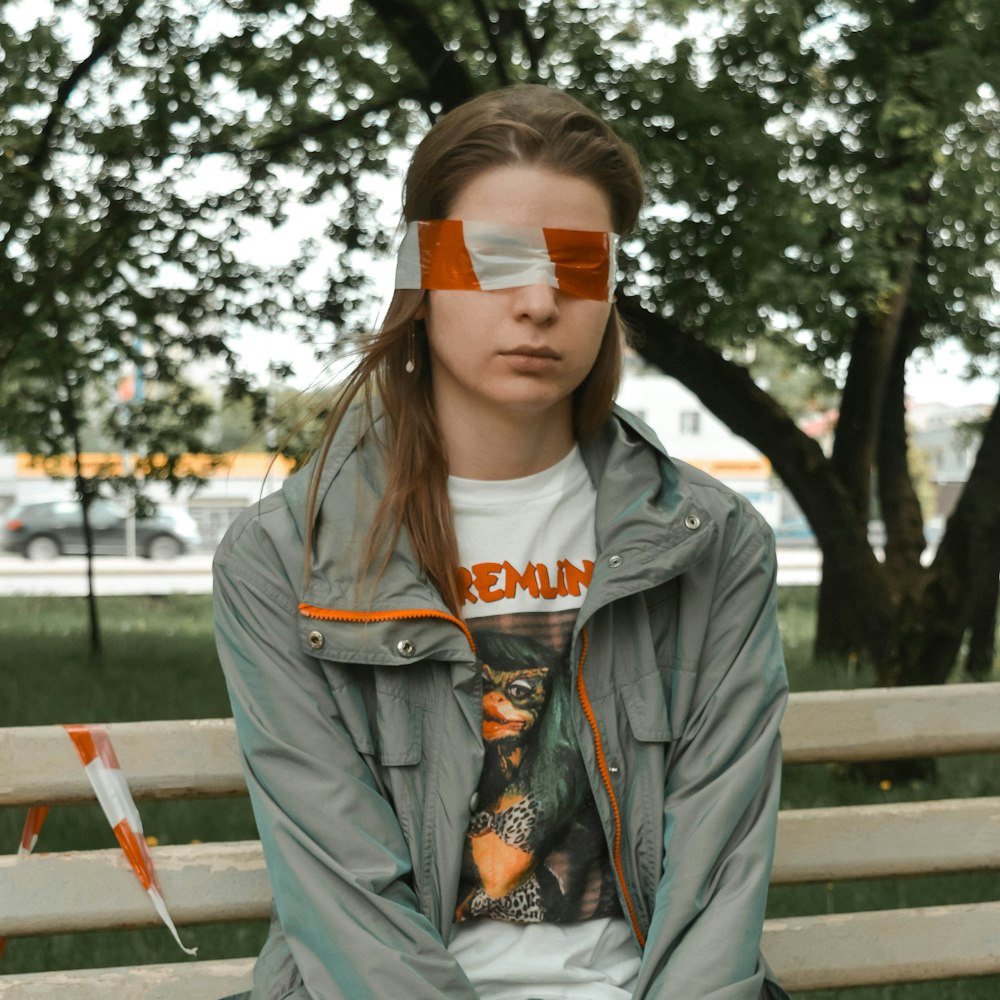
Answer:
(218, 882)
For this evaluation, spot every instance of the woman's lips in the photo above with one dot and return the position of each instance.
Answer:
(539, 352)
(530, 359)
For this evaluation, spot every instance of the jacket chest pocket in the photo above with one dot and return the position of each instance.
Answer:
(381, 711)
(641, 669)
(645, 702)
(399, 724)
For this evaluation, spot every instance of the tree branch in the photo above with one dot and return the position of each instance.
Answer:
(107, 39)
(448, 83)
(863, 400)
(900, 504)
(731, 394)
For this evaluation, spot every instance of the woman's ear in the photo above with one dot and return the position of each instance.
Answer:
(421, 313)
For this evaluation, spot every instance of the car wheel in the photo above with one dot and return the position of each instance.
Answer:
(163, 547)
(41, 547)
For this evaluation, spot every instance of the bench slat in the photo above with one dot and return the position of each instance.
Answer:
(886, 723)
(195, 758)
(807, 953)
(178, 981)
(884, 946)
(91, 890)
(203, 883)
(187, 758)
(886, 841)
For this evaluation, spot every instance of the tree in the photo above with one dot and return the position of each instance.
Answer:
(878, 126)
(115, 255)
(820, 174)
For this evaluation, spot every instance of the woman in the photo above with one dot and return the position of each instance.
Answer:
(506, 679)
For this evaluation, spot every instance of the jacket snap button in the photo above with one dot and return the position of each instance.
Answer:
(615, 561)
(405, 647)
(315, 640)
(613, 769)
(692, 521)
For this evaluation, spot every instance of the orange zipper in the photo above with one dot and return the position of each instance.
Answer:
(328, 614)
(602, 765)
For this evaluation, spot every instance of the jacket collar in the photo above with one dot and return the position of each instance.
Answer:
(650, 524)
(650, 528)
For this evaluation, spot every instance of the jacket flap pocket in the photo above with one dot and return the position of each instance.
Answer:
(646, 707)
(398, 728)
(379, 714)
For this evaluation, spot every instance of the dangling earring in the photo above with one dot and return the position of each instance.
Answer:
(411, 364)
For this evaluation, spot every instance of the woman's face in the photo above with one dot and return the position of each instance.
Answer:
(516, 351)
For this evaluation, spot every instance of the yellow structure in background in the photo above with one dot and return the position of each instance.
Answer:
(234, 465)
(726, 469)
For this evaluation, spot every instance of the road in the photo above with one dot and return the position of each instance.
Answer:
(67, 576)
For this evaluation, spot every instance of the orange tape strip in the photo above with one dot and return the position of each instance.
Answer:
(582, 260)
(134, 846)
(111, 787)
(92, 742)
(444, 257)
(33, 823)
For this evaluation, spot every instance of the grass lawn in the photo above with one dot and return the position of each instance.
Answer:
(159, 662)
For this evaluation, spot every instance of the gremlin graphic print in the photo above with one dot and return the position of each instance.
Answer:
(535, 850)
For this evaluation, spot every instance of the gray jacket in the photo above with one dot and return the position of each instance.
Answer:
(360, 730)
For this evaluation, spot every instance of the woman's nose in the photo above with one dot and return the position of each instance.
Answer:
(538, 303)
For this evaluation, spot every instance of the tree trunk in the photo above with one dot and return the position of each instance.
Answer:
(842, 635)
(901, 513)
(983, 631)
(84, 492)
(83, 487)
(853, 454)
(875, 348)
(926, 641)
(915, 633)
(904, 523)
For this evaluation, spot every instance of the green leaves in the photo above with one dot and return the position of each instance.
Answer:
(798, 155)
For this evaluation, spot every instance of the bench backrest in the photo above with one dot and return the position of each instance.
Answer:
(228, 881)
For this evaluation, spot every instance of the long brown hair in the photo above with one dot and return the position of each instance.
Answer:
(525, 125)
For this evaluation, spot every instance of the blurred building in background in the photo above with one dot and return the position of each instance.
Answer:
(947, 438)
(690, 432)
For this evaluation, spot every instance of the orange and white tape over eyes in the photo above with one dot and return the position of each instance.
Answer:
(457, 254)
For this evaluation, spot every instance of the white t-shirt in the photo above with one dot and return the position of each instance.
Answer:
(538, 913)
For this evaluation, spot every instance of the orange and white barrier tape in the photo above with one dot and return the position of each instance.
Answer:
(471, 256)
(32, 828)
(33, 823)
(100, 763)
(108, 781)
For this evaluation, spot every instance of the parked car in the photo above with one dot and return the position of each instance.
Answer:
(54, 528)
